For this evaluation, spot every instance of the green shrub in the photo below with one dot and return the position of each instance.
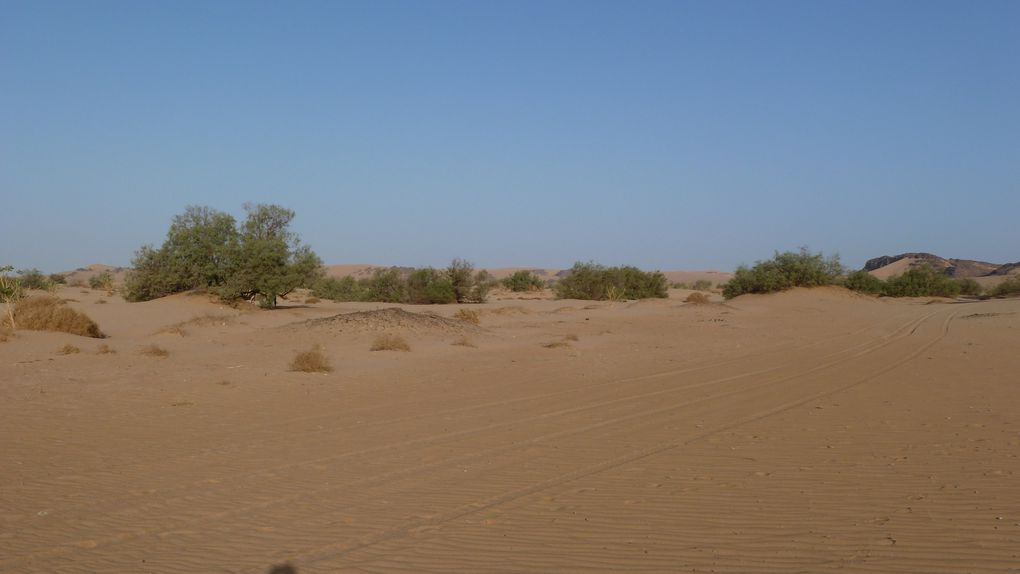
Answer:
(102, 280)
(596, 282)
(1009, 287)
(864, 282)
(523, 281)
(343, 289)
(702, 285)
(428, 286)
(784, 271)
(34, 279)
(385, 286)
(460, 275)
(57, 279)
(922, 281)
(969, 287)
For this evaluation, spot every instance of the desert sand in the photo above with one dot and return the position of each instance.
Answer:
(808, 431)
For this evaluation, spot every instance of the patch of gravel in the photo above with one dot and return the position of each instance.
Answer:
(391, 318)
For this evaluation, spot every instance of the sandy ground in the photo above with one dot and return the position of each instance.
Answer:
(808, 431)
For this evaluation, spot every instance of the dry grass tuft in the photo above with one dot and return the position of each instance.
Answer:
(312, 361)
(175, 330)
(47, 313)
(105, 350)
(464, 342)
(154, 351)
(468, 315)
(101, 302)
(697, 298)
(571, 337)
(68, 349)
(312, 300)
(390, 342)
(556, 345)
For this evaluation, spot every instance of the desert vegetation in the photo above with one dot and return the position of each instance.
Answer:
(47, 313)
(102, 280)
(520, 281)
(596, 282)
(1009, 287)
(311, 361)
(458, 283)
(697, 298)
(258, 260)
(154, 351)
(699, 285)
(919, 281)
(785, 271)
(390, 342)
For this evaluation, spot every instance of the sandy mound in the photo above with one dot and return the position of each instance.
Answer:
(391, 318)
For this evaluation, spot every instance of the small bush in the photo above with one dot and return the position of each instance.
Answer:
(105, 350)
(784, 271)
(595, 282)
(68, 349)
(103, 280)
(385, 286)
(343, 290)
(922, 281)
(702, 285)
(428, 286)
(571, 337)
(47, 313)
(697, 299)
(464, 342)
(969, 287)
(523, 281)
(556, 345)
(57, 279)
(390, 342)
(469, 316)
(34, 279)
(154, 351)
(311, 361)
(1007, 288)
(864, 282)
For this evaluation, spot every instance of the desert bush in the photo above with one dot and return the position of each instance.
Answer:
(10, 293)
(57, 279)
(1007, 288)
(571, 337)
(556, 345)
(46, 313)
(68, 349)
(969, 287)
(105, 350)
(702, 285)
(34, 279)
(428, 286)
(784, 271)
(260, 260)
(385, 286)
(523, 281)
(864, 282)
(102, 280)
(343, 289)
(311, 361)
(697, 298)
(596, 282)
(154, 351)
(468, 315)
(390, 342)
(483, 283)
(922, 281)
(463, 342)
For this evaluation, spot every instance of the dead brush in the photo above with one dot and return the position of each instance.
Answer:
(390, 342)
(105, 350)
(68, 349)
(556, 345)
(311, 361)
(468, 316)
(697, 298)
(48, 313)
(154, 351)
(464, 342)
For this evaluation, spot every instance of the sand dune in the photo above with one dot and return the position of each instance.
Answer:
(814, 430)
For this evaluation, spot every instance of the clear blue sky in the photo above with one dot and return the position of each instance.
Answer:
(673, 135)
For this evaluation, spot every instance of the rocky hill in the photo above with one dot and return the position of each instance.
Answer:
(952, 267)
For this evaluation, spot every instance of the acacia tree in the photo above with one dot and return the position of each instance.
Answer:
(266, 260)
(260, 260)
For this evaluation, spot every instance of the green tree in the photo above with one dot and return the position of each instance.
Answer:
(785, 271)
